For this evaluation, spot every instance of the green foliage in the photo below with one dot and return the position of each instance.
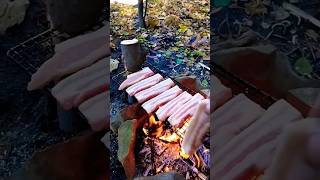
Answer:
(303, 66)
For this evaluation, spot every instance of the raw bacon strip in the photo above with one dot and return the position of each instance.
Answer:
(144, 84)
(178, 117)
(198, 127)
(96, 111)
(253, 139)
(231, 118)
(220, 94)
(161, 99)
(297, 151)
(258, 160)
(82, 85)
(169, 108)
(82, 39)
(153, 91)
(136, 77)
(71, 56)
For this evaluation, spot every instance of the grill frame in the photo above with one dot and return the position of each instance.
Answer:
(239, 85)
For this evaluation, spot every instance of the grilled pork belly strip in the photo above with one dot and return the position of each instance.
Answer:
(144, 84)
(231, 118)
(220, 94)
(153, 91)
(96, 111)
(167, 110)
(161, 99)
(252, 140)
(136, 77)
(178, 117)
(82, 85)
(199, 125)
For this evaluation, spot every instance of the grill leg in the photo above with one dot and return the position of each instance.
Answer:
(67, 119)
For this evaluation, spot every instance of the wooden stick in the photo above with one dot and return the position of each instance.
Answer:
(300, 13)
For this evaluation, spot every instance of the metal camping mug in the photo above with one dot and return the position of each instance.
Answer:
(132, 54)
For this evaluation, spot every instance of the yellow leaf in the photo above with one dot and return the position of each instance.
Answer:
(153, 22)
(171, 20)
(183, 28)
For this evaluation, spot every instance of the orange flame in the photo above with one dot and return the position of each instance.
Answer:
(183, 154)
(153, 122)
(145, 131)
(157, 133)
(157, 127)
(170, 138)
(198, 160)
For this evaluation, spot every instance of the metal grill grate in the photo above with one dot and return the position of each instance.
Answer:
(181, 131)
(30, 54)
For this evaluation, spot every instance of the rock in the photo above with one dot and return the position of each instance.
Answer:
(106, 140)
(126, 142)
(12, 12)
(163, 176)
(133, 111)
(190, 82)
(115, 122)
(113, 64)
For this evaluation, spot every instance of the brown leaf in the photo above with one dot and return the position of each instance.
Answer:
(126, 142)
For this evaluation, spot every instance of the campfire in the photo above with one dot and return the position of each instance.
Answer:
(162, 152)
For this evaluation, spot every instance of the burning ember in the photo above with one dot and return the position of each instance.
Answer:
(162, 152)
